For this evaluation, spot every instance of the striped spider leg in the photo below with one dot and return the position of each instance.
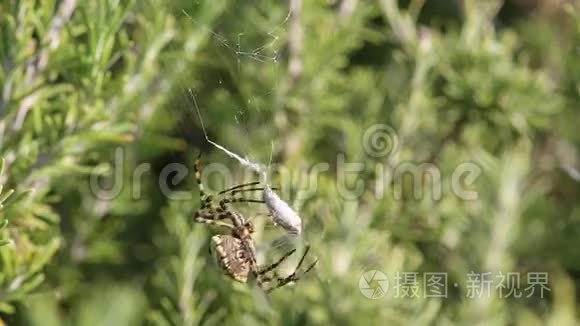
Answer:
(282, 281)
(212, 214)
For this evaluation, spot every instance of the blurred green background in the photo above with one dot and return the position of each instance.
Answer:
(100, 88)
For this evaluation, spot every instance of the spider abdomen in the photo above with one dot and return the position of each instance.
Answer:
(230, 256)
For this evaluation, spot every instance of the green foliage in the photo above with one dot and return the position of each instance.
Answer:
(94, 107)
(21, 259)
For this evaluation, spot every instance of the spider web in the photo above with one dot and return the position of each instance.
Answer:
(253, 49)
(248, 54)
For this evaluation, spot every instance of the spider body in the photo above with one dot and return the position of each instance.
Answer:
(235, 252)
(231, 257)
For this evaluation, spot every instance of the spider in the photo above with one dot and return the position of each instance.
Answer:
(235, 252)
